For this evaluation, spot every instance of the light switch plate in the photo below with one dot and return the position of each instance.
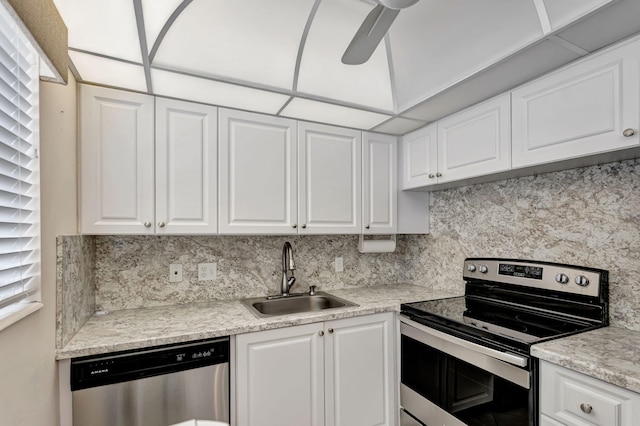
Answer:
(339, 264)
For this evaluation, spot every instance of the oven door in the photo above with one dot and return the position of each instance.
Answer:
(450, 381)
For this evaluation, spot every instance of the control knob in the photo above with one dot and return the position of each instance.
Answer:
(471, 267)
(582, 281)
(562, 278)
(483, 269)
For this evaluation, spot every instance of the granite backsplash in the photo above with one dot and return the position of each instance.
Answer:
(133, 271)
(588, 216)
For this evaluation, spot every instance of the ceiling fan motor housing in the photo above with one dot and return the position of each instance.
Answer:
(397, 4)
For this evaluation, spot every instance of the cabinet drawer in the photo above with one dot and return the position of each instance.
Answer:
(575, 399)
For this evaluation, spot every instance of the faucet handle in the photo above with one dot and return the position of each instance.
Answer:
(312, 290)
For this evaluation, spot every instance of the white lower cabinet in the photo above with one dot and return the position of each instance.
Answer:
(337, 373)
(574, 399)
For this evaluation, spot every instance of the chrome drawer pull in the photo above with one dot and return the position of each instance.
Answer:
(586, 408)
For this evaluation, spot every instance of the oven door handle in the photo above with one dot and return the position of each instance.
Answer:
(502, 356)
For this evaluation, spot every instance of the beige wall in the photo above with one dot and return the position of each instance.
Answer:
(29, 383)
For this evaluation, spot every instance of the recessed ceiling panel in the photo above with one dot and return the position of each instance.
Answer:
(305, 109)
(563, 12)
(108, 72)
(251, 40)
(105, 27)
(437, 43)
(156, 13)
(323, 74)
(215, 93)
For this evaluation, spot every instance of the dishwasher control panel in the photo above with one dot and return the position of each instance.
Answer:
(123, 366)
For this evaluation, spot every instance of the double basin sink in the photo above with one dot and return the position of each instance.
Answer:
(264, 307)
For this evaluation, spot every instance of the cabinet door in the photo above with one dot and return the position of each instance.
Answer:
(379, 187)
(360, 371)
(419, 158)
(329, 179)
(116, 162)
(186, 168)
(580, 110)
(476, 141)
(258, 191)
(280, 377)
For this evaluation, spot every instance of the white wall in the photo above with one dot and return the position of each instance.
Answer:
(28, 373)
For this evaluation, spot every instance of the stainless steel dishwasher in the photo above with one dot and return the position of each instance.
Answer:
(157, 386)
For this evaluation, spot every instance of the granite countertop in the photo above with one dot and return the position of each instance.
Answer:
(139, 328)
(611, 354)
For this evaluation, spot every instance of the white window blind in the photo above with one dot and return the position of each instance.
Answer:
(19, 174)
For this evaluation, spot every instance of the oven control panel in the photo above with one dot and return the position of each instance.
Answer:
(549, 276)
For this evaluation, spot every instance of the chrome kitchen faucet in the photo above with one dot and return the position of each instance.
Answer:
(287, 265)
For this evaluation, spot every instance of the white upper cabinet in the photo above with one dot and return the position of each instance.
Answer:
(117, 162)
(476, 141)
(419, 157)
(133, 185)
(329, 179)
(258, 182)
(582, 109)
(379, 187)
(186, 168)
(473, 142)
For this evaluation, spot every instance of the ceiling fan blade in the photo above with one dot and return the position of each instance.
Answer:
(368, 36)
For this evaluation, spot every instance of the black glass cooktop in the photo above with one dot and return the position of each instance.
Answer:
(499, 323)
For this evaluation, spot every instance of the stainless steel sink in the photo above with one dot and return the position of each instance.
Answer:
(264, 307)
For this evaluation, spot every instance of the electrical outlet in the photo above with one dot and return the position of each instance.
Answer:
(175, 273)
(207, 271)
(339, 264)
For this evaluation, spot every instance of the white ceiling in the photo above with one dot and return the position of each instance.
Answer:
(282, 57)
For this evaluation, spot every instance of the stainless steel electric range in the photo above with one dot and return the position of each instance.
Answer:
(467, 360)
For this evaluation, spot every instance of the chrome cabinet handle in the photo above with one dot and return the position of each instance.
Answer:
(367, 227)
(627, 133)
(294, 226)
(161, 224)
(320, 333)
(586, 408)
(431, 175)
(331, 331)
(304, 225)
(147, 224)
(438, 174)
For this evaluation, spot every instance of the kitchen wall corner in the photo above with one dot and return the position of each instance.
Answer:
(75, 284)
